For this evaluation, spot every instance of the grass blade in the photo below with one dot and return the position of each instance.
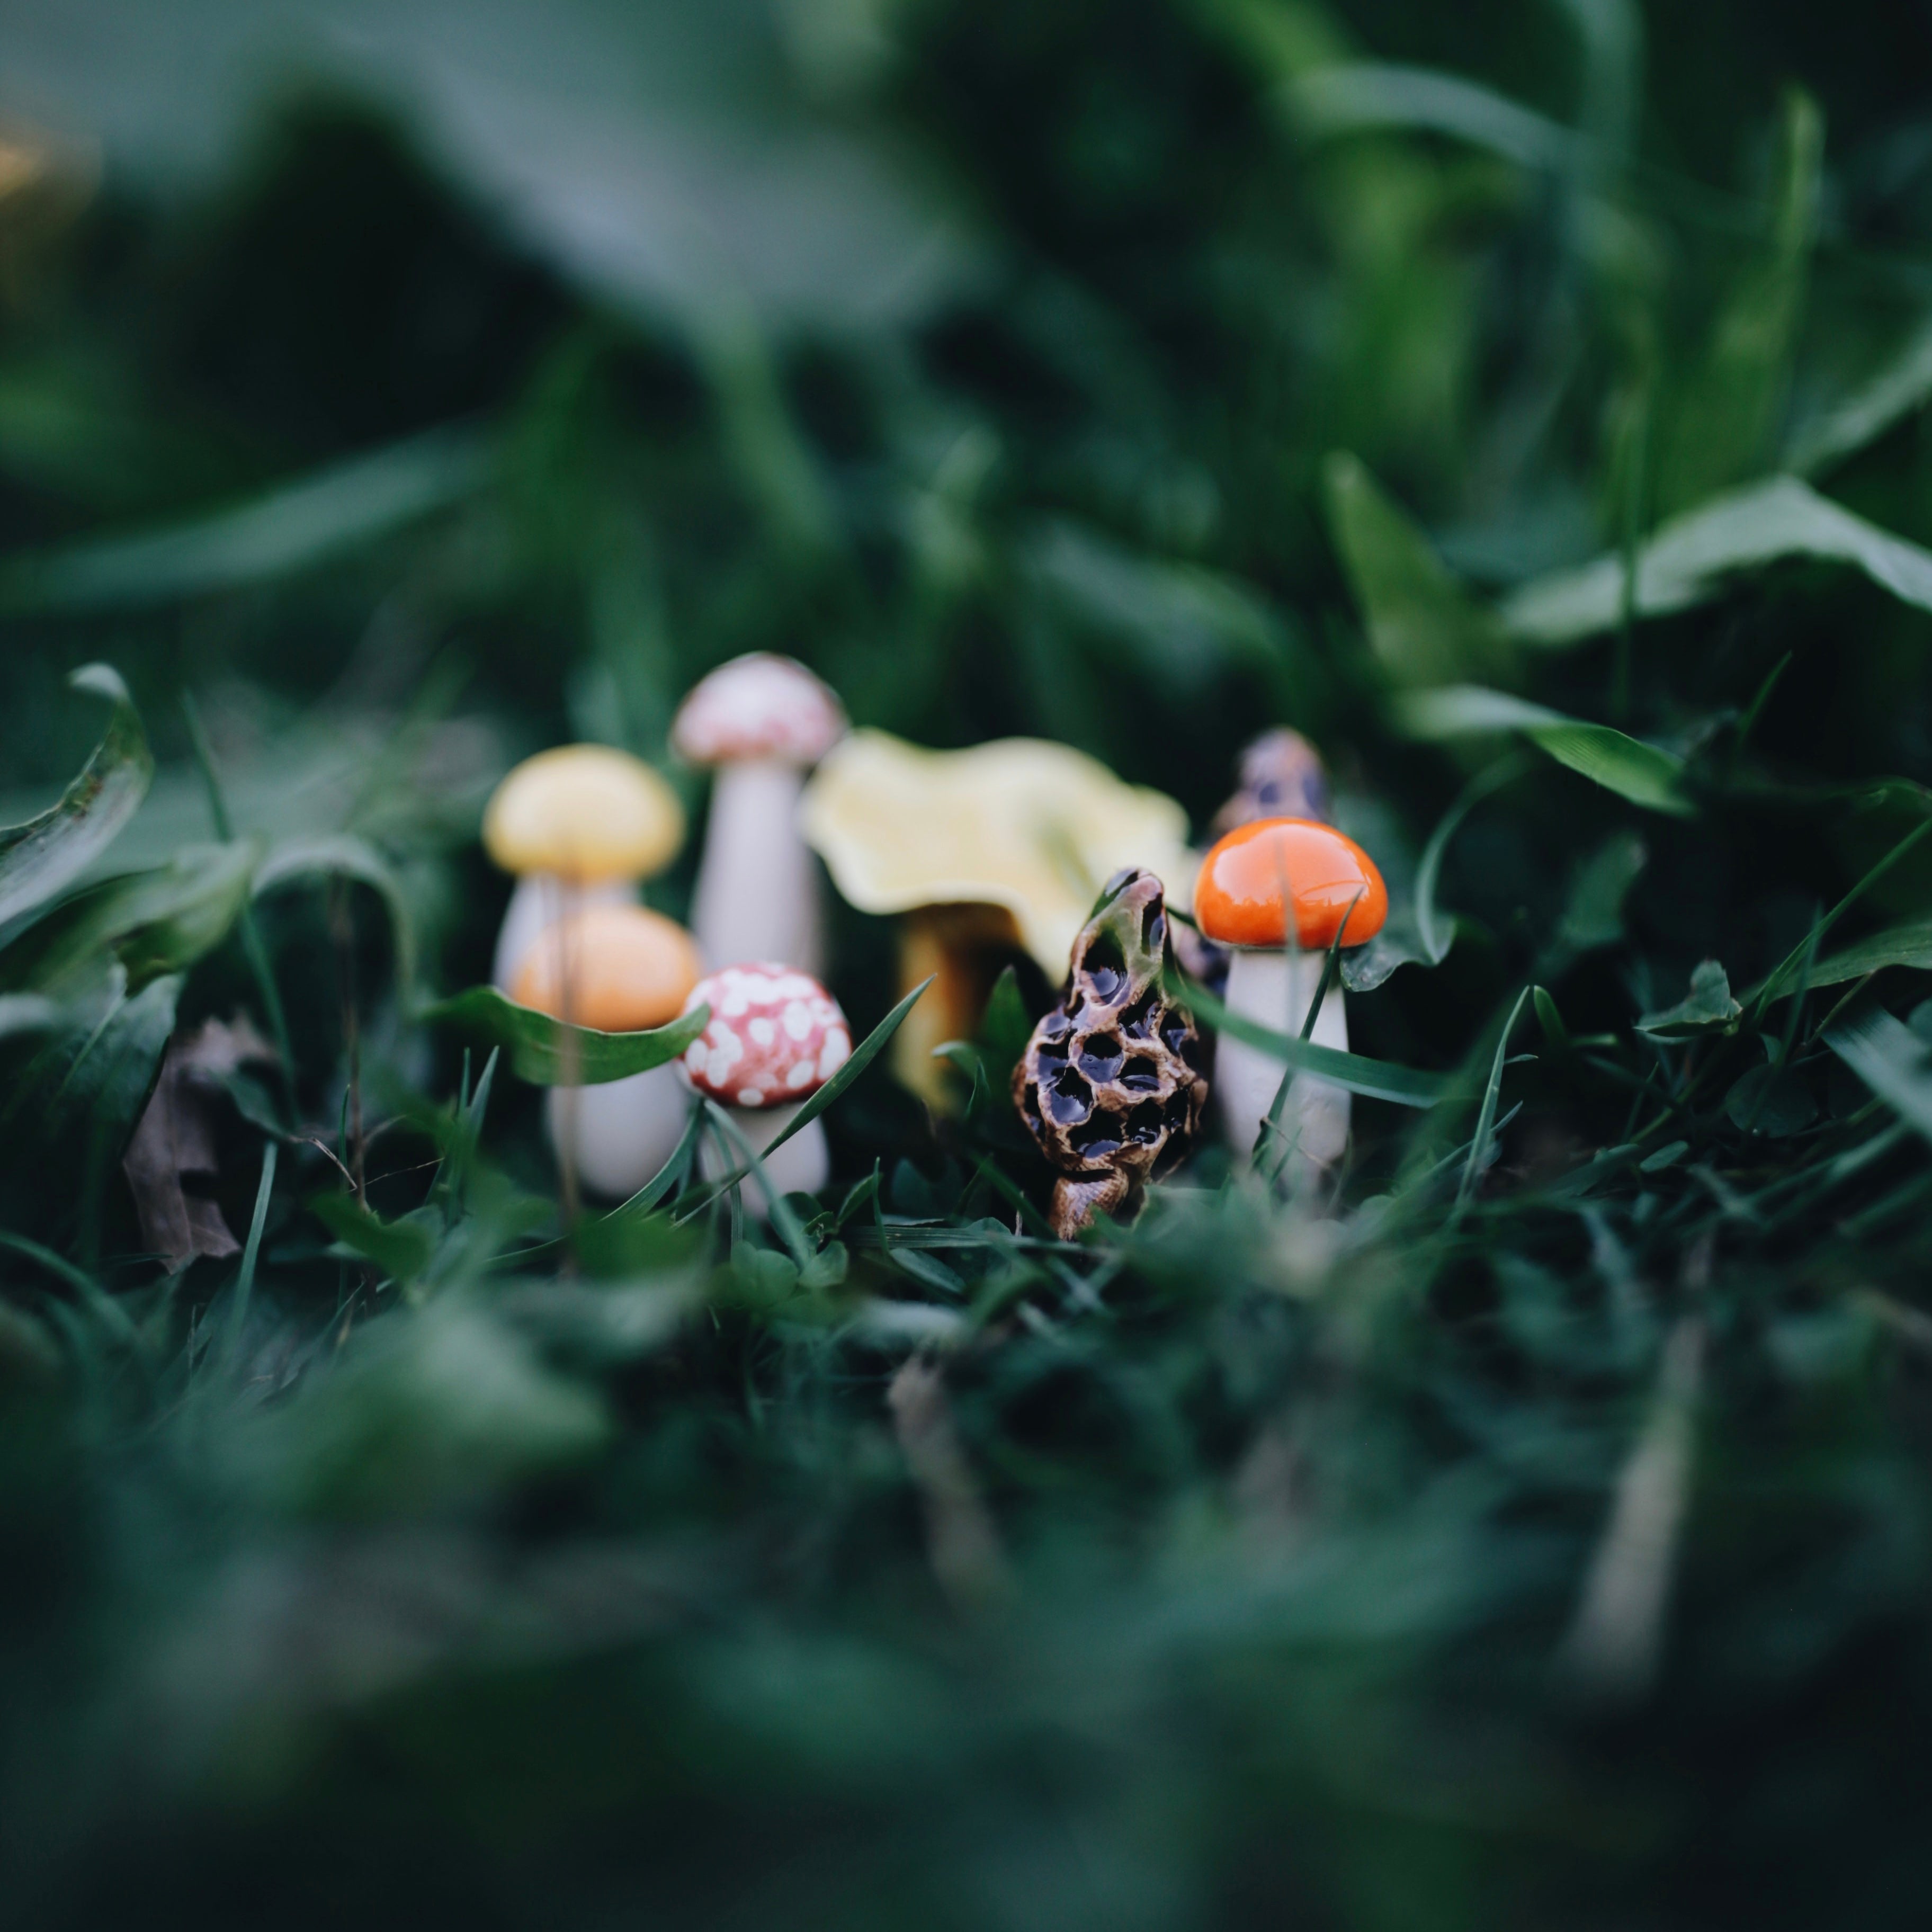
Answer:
(1373, 1079)
(1774, 986)
(1486, 1117)
(868, 1050)
(784, 1223)
(1889, 1057)
(244, 1279)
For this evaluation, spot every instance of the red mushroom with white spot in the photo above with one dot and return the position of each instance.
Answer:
(762, 721)
(776, 1035)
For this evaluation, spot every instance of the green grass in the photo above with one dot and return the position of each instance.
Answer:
(1528, 406)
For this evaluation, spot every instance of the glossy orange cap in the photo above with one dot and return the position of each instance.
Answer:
(1250, 878)
(627, 969)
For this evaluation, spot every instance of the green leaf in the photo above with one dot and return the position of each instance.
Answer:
(39, 857)
(290, 527)
(1709, 1005)
(1842, 428)
(1364, 968)
(1551, 1020)
(1421, 626)
(827, 1269)
(1435, 936)
(1719, 427)
(1593, 916)
(1909, 944)
(548, 1053)
(1773, 1101)
(1805, 952)
(69, 1114)
(1374, 1079)
(402, 1249)
(1645, 774)
(343, 855)
(153, 923)
(1691, 561)
(1890, 1059)
(1004, 1028)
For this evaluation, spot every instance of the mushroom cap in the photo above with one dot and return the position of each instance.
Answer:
(1035, 827)
(629, 969)
(1282, 776)
(587, 812)
(759, 705)
(775, 1036)
(1250, 879)
(1110, 1081)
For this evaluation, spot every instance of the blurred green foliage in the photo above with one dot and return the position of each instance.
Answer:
(1526, 399)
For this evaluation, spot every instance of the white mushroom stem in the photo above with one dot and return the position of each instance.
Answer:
(623, 1131)
(540, 899)
(1275, 990)
(803, 1165)
(757, 897)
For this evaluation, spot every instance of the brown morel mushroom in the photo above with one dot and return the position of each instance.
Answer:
(1110, 1084)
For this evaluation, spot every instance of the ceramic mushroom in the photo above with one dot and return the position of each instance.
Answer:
(776, 1035)
(618, 969)
(579, 826)
(989, 853)
(1276, 893)
(760, 721)
(1282, 776)
(1110, 1084)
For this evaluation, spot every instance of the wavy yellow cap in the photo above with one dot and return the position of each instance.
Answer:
(1036, 827)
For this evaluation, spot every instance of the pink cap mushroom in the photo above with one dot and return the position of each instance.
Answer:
(776, 1035)
(761, 720)
(759, 705)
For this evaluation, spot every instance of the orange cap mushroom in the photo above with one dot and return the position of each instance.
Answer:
(627, 969)
(1252, 878)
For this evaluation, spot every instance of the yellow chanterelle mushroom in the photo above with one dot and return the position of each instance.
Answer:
(1006, 844)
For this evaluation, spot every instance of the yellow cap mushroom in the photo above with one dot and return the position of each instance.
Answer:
(587, 813)
(1032, 828)
(1037, 828)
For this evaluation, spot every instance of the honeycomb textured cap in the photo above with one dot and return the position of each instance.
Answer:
(759, 705)
(775, 1036)
(1110, 1085)
(587, 812)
